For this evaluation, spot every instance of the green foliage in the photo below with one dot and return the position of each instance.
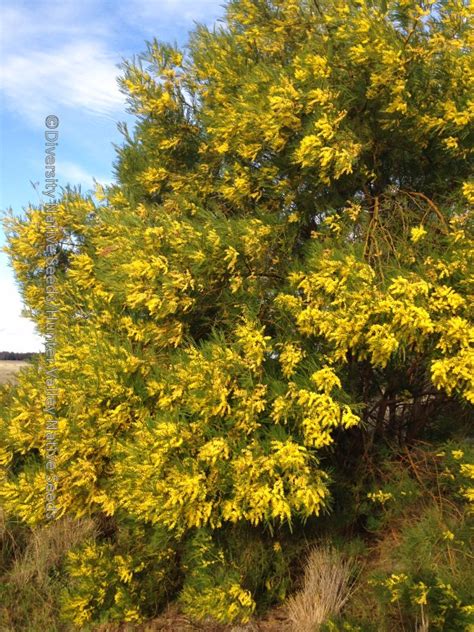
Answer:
(427, 601)
(419, 572)
(211, 585)
(266, 563)
(345, 626)
(126, 579)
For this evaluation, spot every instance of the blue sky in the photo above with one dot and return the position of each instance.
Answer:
(61, 58)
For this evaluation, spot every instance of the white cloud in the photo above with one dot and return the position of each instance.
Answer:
(182, 11)
(16, 333)
(73, 174)
(64, 54)
(61, 56)
(46, 22)
(79, 75)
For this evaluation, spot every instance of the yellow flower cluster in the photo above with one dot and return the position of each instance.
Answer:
(339, 302)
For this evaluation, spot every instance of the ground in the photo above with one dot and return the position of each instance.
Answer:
(8, 369)
(172, 621)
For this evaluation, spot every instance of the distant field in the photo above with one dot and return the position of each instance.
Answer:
(9, 368)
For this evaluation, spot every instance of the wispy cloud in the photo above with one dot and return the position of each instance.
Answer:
(185, 12)
(66, 54)
(58, 55)
(74, 174)
(61, 56)
(29, 24)
(79, 75)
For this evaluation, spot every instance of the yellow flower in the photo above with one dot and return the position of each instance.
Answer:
(451, 142)
(467, 469)
(326, 380)
(290, 356)
(468, 191)
(231, 256)
(420, 591)
(417, 233)
(380, 496)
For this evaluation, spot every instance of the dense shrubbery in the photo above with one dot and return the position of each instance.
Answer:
(270, 305)
(417, 574)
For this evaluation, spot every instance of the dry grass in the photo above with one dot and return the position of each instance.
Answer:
(9, 369)
(46, 547)
(328, 583)
(29, 581)
(3, 524)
